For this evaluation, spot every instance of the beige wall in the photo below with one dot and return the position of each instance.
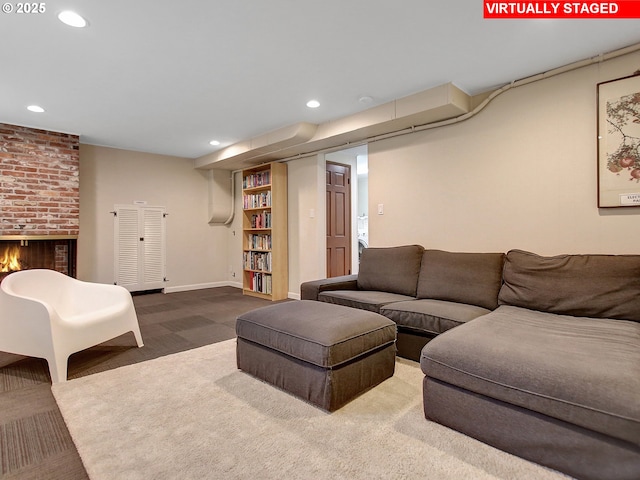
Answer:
(196, 251)
(521, 174)
(307, 233)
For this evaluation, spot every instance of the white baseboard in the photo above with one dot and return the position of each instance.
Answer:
(200, 286)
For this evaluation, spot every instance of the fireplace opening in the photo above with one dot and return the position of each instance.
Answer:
(59, 255)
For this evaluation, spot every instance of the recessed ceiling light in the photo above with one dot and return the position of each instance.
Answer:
(313, 104)
(215, 143)
(35, 108)
(72, 19)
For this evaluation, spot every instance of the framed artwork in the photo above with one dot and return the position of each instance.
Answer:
(619, 142)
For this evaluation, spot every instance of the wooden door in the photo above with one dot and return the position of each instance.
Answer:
(338, 219)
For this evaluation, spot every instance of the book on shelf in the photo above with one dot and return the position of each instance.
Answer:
(261, 220)
(257, 200)
(260, 282)
(258, 179)
(257, 261)
(259, 241)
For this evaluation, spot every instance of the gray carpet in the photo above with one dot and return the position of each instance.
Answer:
(29, 415)
(193, 415)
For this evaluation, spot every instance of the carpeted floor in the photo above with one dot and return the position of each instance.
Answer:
(34, 440)
(194, 415)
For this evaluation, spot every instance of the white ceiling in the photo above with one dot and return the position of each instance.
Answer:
(168, 76)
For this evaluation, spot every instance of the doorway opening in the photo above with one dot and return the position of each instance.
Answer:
(358, 223)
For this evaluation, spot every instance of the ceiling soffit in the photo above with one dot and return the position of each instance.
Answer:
(433, 105)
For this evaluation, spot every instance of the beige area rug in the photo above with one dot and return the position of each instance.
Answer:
(193, 415)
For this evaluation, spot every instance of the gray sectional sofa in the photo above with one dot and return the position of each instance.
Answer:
(538, 356)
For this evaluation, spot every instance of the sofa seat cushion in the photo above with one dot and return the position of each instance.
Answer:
(362, 299)
(583, 371)
(431, 316)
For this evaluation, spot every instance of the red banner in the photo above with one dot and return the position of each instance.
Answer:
(517, 9)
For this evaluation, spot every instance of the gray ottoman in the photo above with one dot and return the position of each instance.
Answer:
(325, 354)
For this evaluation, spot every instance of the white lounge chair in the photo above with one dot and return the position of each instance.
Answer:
(46, 314)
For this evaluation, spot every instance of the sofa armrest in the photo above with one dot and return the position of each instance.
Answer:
(311, 290)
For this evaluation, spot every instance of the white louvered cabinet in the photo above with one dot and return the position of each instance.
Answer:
(139, 249)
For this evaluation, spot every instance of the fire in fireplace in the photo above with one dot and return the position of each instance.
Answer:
(10, 259)
(57, 254)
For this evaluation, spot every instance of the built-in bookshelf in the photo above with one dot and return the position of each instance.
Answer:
(264, 231)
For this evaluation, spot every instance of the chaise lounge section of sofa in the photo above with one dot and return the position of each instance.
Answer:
(553, 374)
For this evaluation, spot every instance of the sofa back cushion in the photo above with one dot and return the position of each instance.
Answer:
(598, 286)
(390, 269)
(471, 278)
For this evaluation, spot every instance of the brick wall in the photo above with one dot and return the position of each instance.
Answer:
(39, 184)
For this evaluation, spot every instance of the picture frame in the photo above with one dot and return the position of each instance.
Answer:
(619, 142)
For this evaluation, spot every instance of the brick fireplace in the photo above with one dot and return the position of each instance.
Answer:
(39, 199)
